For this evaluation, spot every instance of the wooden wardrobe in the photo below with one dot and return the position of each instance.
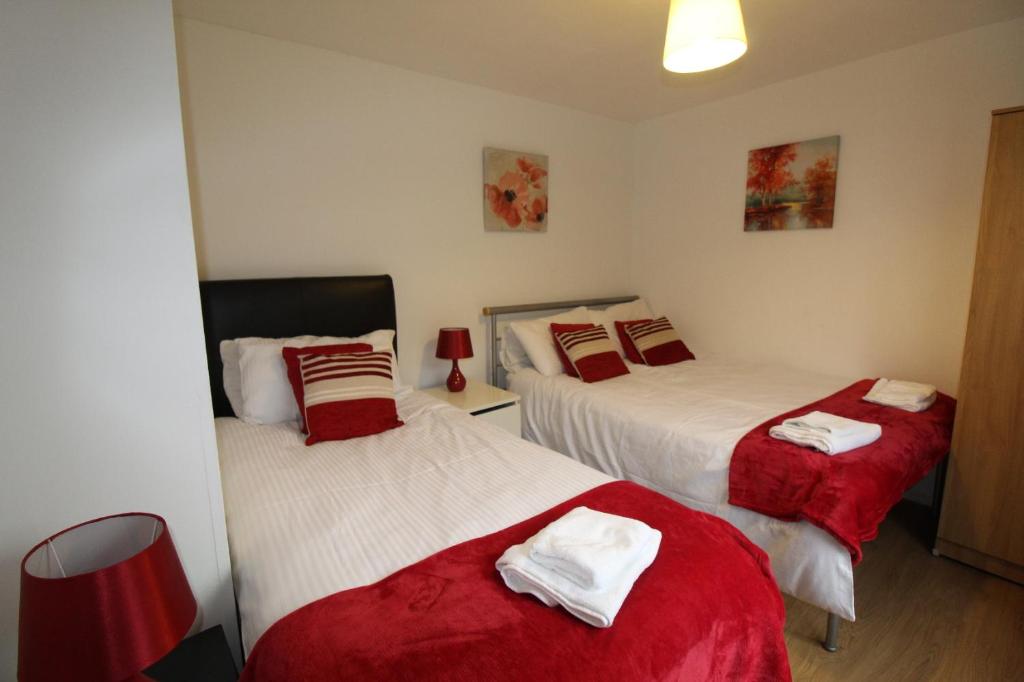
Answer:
(982, 521)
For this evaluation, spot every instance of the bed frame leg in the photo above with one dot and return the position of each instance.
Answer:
(831, 642)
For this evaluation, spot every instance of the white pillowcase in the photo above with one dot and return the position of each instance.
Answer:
(512, 354)
(535, 338)
(264, 395)
(232, 375)
(622, 312)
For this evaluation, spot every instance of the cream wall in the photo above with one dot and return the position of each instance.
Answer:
(886, 291)
(106, 406)
(309, 162)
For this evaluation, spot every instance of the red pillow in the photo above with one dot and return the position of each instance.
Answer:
(592, 353)
(348, 395)
(566, 363)
(632, 354)
(291, 361)
(658, 343)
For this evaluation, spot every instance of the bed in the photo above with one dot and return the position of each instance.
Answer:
(674, 429)
(374, 557)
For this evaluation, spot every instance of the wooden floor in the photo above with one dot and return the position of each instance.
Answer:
(919, 617)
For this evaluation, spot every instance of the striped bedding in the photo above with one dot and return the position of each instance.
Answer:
(305, 522)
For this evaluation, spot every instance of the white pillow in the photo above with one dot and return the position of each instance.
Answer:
(266, 394)
(512, 354)
(622, 312)
(535, 337)
(232, 375)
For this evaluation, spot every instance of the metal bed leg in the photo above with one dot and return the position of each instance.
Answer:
(831, 642)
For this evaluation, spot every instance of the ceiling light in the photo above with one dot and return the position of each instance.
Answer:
(703, 35)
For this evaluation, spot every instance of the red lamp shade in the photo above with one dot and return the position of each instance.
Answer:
(454, 343)
(102, 600)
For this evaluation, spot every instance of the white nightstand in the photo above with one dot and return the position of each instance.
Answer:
(486, 402)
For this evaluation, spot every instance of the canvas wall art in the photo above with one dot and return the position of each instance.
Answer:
(792, 186)
(515, 191)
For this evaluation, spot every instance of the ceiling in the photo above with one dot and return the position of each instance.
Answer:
(601, 56)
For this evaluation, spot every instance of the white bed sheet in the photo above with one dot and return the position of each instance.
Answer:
(674, 429)
(306, 522)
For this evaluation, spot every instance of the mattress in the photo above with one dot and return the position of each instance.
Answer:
(673, 429)
(306, 522)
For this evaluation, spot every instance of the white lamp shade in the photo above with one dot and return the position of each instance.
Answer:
(703, 35)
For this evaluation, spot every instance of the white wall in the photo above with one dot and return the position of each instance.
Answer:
(104, 392)
(886, 291)
(308, 162)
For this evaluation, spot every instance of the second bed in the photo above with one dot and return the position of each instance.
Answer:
(675, 429)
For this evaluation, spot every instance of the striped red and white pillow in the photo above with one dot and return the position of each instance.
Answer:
(348, 395)
(591, 352)
(291, 356)
(566, 362)
(657, 342)
(632, 354)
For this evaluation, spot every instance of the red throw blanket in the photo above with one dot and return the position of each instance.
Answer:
(847, 494)
(706, 609)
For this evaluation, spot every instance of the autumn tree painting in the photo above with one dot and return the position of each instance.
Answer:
(792, 186)
(768, 172)
(820, 183)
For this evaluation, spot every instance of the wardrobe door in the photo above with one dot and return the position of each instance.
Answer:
(983, 511)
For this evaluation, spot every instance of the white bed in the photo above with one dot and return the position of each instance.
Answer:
(305, 522)
(308, 522)
(673, 429)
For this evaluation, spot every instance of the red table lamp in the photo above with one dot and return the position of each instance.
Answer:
(454, 343)
(102, 600)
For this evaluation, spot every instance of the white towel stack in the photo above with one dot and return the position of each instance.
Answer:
(826, 432)
(586, 561)
(906, 395)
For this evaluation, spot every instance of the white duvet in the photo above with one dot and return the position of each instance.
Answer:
(305, 522)
(673, 429)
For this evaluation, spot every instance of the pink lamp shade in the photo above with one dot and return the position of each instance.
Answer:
(102, 600)
(453, 343)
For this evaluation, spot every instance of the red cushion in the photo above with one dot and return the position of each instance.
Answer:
(632, 354)
(348, 395)
(566, 363)
(657, 342)
(592, 353)
(291, 361)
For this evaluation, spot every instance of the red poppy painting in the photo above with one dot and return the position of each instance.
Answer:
(792, 186)
(515, 191)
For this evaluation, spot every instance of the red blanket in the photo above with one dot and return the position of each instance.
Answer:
(847, 494)
(706, 609)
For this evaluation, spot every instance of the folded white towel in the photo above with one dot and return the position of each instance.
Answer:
(826, 432)
(906, 395)
(591, 548)
(595, 607)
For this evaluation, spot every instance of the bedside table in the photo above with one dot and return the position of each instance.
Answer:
(486, 402)
(201, 658)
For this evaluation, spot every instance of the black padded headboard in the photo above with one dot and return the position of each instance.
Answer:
(321, 306)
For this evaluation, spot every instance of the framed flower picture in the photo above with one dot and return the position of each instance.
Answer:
(515, 191)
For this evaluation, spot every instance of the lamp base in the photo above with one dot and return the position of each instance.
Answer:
(456, 380)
